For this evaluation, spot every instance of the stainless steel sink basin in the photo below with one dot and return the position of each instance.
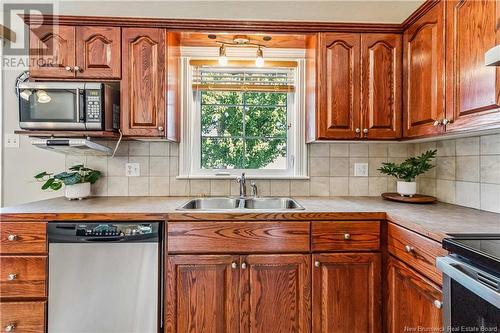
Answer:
(272, 203)
(241, 204)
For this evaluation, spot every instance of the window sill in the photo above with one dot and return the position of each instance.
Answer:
(232, 177)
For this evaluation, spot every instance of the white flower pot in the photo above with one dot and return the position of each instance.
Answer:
(407, 189)
(77, 191)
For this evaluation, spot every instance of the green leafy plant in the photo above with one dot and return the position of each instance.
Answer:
(408, 170)
(77, 174)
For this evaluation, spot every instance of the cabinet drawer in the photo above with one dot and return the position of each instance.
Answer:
(417, 251)
(346, 236)
(23, 276)
(23, 237)
(25, 317)
(238, 237)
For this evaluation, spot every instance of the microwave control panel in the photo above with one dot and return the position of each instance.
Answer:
(93, 105)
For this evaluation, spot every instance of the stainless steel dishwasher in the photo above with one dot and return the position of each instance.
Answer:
(105, 277)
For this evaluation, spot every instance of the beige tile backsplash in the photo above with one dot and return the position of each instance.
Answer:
(467, 172)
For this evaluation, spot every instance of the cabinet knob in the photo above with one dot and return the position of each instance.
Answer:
(160, 128)
(347, 236)
(438, 304)
(10, 328)
(68, 68)
(234, 265)
(317, 263)
(357, 130)
(77, 69)
(12, 238)
(243, 265)
(12, 276)
(446, 121)
(437, 123)
(365, 130)
(409, 249)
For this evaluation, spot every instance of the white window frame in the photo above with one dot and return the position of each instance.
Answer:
(190, 147)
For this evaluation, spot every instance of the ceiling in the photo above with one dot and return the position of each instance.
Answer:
(375, 11)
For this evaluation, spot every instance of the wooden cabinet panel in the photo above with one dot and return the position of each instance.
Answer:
(143, 82)
(345, 236)
(275, 293)
(23, 237)
(23, 276)
(472, 96)
(424, 76)
(347, 293)
(417, 251)
(238, 237)
(53, 50)
(339, 86)
(411, 300)
(202, 294)
(381, 85)
(98, 53)
(26, 317)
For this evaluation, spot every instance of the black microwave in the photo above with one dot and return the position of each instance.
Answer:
(69, 106)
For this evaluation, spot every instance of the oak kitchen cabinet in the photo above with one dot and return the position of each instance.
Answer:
(357, 86)
(447, 87)
(66, 52)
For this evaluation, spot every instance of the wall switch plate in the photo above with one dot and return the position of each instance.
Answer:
(132, 170)
(12, 141)
(361, 169)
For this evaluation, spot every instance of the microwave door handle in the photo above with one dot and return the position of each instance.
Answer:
(458, 272)
(78, 106)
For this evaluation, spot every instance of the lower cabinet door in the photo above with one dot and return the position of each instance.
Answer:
(201, 294)
(346, 293)
(414, 301)
(25, 317)
(275, 291)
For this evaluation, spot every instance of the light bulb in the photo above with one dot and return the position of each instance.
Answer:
(259, 61)
(222, 55)
(43, 97)
(25, 94)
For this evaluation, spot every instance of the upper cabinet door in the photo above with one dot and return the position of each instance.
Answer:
(98, 53)
(347, 293)
(202, 294)
(472, 88)
(275, 293)
(381, 85)
(143, 87)
(424, 80)
(338, 116)
(53, 51)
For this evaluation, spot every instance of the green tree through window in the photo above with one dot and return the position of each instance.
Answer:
(243, 129)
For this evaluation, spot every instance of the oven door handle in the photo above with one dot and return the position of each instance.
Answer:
(466, 275)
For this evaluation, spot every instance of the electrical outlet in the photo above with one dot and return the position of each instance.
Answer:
(361, 169)
(132, 170)
(12, 141)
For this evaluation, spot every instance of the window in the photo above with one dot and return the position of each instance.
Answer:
(242, 119)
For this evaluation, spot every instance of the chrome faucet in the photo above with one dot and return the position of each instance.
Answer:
(243, 185)
(255, 192)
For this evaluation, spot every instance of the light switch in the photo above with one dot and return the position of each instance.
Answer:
(361, 169)
(132, 170)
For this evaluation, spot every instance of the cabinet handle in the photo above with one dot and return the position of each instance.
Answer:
(234, 265)
(12, 276)
(68, 68)
(437, 123)
(243, 265)
(357, 130)
(446, 121)
(12, 238)
(76, 69)
(160, 128)
(347, 236)
(438, 304)
(317, 263)
(409, 249)
(10, 328)
(365, 130)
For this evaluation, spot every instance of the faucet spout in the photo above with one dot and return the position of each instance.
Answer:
(243, 185)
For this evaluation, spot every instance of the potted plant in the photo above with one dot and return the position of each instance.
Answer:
(77, 181)
(407, 171)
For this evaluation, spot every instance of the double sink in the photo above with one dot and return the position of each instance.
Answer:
(227, 203)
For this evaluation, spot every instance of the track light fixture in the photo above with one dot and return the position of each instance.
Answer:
(240, 41)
